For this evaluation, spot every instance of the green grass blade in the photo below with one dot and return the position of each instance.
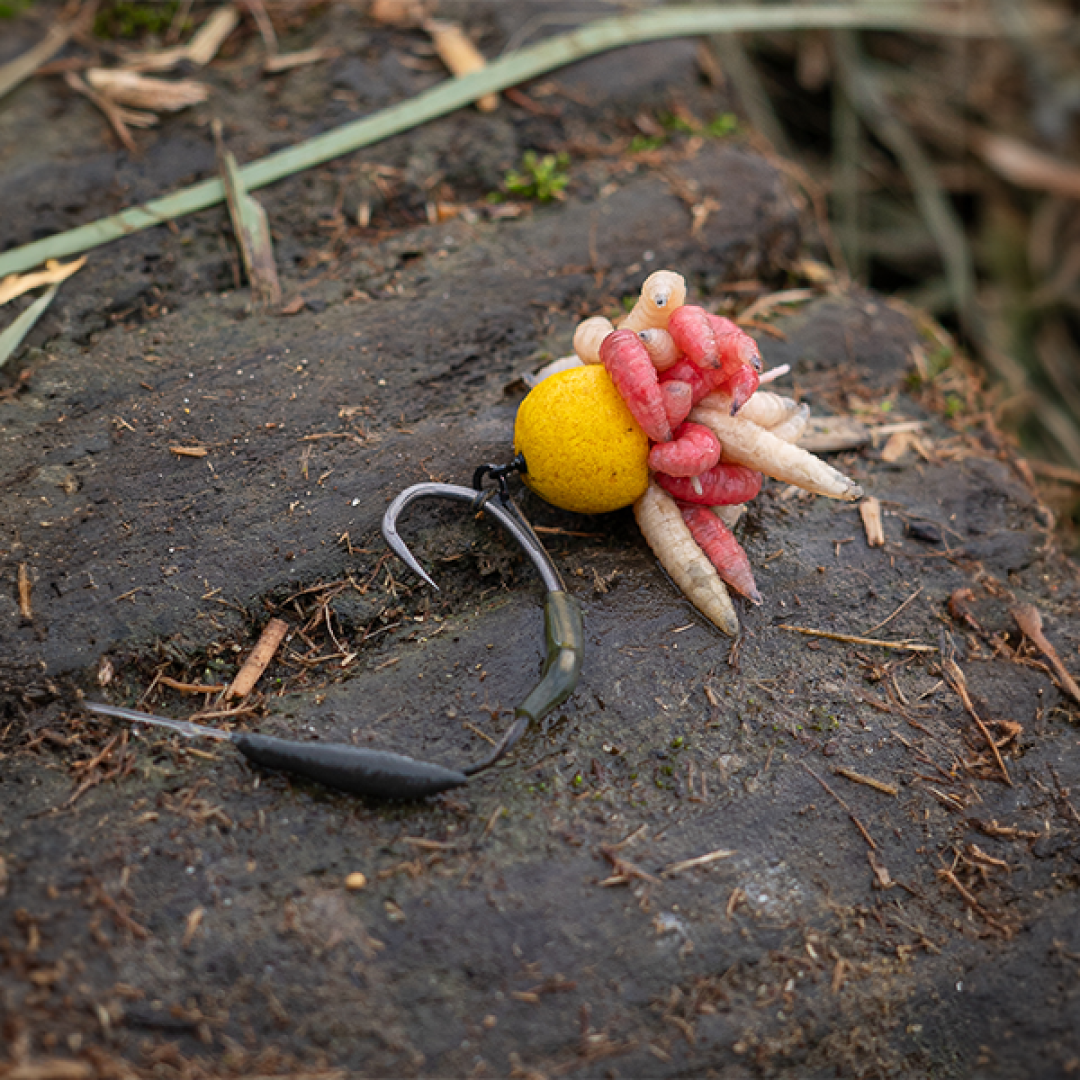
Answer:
(510, 70)
(12, 337)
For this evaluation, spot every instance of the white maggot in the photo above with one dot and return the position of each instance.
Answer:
(661, 294)
(564, 363)
(661, 347)
(764, 407)
(662, 525)
(748, 444)
(588, 336)
(792, 428)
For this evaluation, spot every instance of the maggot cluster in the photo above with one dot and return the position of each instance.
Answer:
(692, 380)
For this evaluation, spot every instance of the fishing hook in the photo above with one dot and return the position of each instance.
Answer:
(562, 613)
(382, 773)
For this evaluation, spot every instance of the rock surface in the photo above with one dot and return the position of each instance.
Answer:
(870, 892)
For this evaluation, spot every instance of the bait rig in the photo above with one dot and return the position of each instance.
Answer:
(383, 774)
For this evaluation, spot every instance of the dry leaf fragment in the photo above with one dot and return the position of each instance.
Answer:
(16, 284)
(147, 92)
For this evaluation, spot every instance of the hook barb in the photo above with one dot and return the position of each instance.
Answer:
(506, 514)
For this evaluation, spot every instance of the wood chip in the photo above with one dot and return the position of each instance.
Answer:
(208, 39)
(272, 636)
(457, 51)
(191, 927)
(882, 877)
(189, 451)
(25, 608)
(896, 446)
(870, 512)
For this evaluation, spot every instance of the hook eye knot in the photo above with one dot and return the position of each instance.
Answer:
(499, 474)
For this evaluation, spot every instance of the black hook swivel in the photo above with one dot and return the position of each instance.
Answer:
(381, 773)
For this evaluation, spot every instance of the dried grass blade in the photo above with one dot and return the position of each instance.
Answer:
(252, 229)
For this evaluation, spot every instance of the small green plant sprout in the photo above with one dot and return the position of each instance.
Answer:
(673, 124)
(540, 178)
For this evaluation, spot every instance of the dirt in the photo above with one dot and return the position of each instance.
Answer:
(168, 910)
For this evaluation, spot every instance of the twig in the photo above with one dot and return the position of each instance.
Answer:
(271, 638)
(890, 618)
(189, 688)
(1030, 622)
(699, 860)
(869, 781)
(511, 70)
(850, 813)
(22, 67)
(958, 682)
(117, 115)
(854, 639)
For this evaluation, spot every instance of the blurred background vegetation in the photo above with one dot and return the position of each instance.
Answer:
(951, 167)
